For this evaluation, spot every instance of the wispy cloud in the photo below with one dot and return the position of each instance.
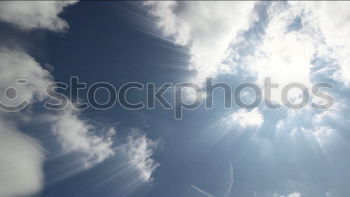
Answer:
(139, 150)
(79, 136)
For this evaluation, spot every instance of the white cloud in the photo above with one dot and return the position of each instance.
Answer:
(79, 136)
(284, 56)
(73, 133)
(333, 26)
(245, 118)
(319, 132)
(206, 28)
(21, 160)
(313, 124)
(295, 194)
(21, 157)
(139, 151)
(336, 30)
(15, 65)
(34, 14)
(331, 31)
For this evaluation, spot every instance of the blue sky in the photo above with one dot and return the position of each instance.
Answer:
(219, 152)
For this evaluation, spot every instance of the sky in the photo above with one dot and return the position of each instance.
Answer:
(219, 151)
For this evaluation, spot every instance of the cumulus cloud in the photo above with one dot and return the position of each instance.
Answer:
(17, 65)
(79, 136)
(21, 160)
(34, 14)
(92, 143)
(74, 133)
(206, 28)
(21, 157)
(139, 151)
(246, 118)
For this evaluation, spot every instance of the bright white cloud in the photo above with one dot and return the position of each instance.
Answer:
(15, 65)
(139, 151)
(336, 30)
(206, 28)
(77, 135)
(21, 160)
(21, 157)
(295, 194)
(246, 118)
(331, 32)
(74, 133)
(286, 53)
(284, 56)
(34, 14)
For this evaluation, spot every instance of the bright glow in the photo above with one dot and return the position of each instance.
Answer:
(245, 118)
